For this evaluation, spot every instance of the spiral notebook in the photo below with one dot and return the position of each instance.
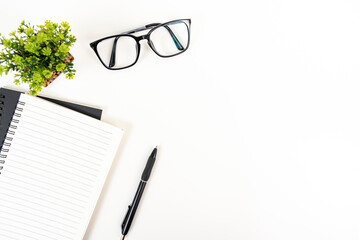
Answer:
(53, 164)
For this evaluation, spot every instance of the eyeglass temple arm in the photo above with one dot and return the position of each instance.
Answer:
(174, 38)
(148, 26)
(113, 53)
(152, 25)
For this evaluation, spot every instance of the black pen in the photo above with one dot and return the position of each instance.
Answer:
(126, 224)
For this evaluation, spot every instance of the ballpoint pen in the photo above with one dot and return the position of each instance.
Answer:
(126, 224)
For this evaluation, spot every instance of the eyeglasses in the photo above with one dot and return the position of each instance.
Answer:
(122, 51)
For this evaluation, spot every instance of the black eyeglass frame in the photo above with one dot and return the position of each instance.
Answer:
(152, 27)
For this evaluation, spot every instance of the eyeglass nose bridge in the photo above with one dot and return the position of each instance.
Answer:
(143, 37)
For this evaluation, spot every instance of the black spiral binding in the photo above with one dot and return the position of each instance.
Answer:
(11, 129)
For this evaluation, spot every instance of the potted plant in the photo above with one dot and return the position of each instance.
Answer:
(38, 54)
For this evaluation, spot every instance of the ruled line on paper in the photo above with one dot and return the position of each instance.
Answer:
(56, 204)
(61, 133)
(55, 180)
(32, 214)
(33, 220)
(39, 210)
(47, 189)
(22, 223)
(6, 230)
(42, 170)
(36, 233)
(52, 155)
(82, 135)
(37, 180)
(48, 110)
(49, 196)
(61, 152)
(47, 143)
(53, 173)
(57, 168)
(50, 159)
(3, 235)
(47, 116)
(58, 139)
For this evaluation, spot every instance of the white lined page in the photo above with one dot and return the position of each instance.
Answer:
(54, 171)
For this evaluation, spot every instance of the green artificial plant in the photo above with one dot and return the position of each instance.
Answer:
(36, 52)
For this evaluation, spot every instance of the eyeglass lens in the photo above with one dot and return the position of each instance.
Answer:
(170, 39)
(118, 52)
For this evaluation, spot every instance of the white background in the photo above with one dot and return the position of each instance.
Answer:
(257, 123)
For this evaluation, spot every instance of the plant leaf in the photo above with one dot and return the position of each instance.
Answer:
(47, 73)
(46, 51)
(60, 67)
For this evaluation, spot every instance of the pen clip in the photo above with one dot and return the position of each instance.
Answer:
(126, 217)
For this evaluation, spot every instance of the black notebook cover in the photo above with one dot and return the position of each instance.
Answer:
(8, 102)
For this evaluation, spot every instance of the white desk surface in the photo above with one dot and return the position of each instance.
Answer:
(257, 123)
